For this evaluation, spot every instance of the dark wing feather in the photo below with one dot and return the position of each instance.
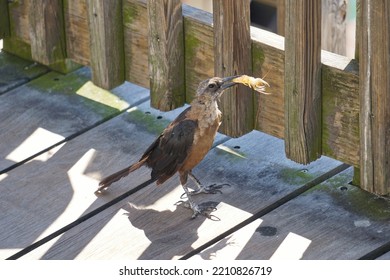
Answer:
(171, 148)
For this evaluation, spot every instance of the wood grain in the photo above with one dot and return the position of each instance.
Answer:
(333, 35)
(333, 220)
(199, 49)
(166, 54)
(148, 225)
(303, 80)
(47, 35)
(375, 97)
(55, 107)
(232, 56)
(106, 42)
(18, 42)
(268, 62)
(77, 31)
(136, 25)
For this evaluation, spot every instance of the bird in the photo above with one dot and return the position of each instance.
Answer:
(184, 143)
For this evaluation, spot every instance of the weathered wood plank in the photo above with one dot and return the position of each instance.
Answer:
(72, 172)
(281, 17)
(51, 108)
(340, 108)
(136, 25)
(198, 45)
(18, 42)
(166, 54)
(4, 19)
(334, 220)
(15, 71)
(268, 62)
(333, 35)
(106, 35)
(47, 35)
(375, 97)
(303, 80)
(77, 32)
(148, 222)
(233, 56)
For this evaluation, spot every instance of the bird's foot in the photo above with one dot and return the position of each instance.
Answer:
(203, 209)
(211, 189)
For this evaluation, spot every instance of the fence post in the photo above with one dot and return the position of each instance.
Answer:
(232, 56)
(106, 42)
(4, 19)
(166, 54)
(374, 80)
(47, 35)
(303, 80)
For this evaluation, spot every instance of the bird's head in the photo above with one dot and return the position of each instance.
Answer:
(213, 88)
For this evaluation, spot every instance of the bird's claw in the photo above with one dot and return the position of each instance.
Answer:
(211, 189)
(203, 209)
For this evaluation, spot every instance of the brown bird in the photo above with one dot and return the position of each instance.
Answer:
(185, 142)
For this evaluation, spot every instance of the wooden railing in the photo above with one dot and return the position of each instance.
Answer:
(322, 103)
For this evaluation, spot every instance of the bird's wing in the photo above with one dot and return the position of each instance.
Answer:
(170, 150)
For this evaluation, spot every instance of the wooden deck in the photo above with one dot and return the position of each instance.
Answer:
(61, 135)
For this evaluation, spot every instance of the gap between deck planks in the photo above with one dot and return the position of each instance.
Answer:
(16, 71)
(53, 108)
(333, 220)
(155, 227)
(60, 189)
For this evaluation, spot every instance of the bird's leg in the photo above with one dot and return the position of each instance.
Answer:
(202, 209)
(212, 189)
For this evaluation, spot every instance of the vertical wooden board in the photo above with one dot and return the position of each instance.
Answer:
(77, 31)
(199, 48)
(375, 97)
(47, 35)
(340, 108)
(52, 108)
(18, 42)
(268, 62)
(15, 71)
(166, 54)
(107, 48)
(281, 16)
(19, 20)
(4, 19)
(148, 224)
(135, 24)
(303, 80)
(232, 56)
(333, 35)
(333, 220)
(47, 31)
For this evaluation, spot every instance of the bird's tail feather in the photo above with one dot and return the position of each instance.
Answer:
(106, 182)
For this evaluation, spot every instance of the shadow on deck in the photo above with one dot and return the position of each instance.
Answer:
(61, 135)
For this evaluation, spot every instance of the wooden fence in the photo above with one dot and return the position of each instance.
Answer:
(322, 103)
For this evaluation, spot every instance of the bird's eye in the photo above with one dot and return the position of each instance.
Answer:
(211, 85)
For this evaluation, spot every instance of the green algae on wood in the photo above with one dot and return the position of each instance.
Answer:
(16, 71)
(149, 122)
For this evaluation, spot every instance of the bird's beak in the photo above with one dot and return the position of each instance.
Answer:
(228, 82)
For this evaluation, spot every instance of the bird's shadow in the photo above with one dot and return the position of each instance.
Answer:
(171, 233)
